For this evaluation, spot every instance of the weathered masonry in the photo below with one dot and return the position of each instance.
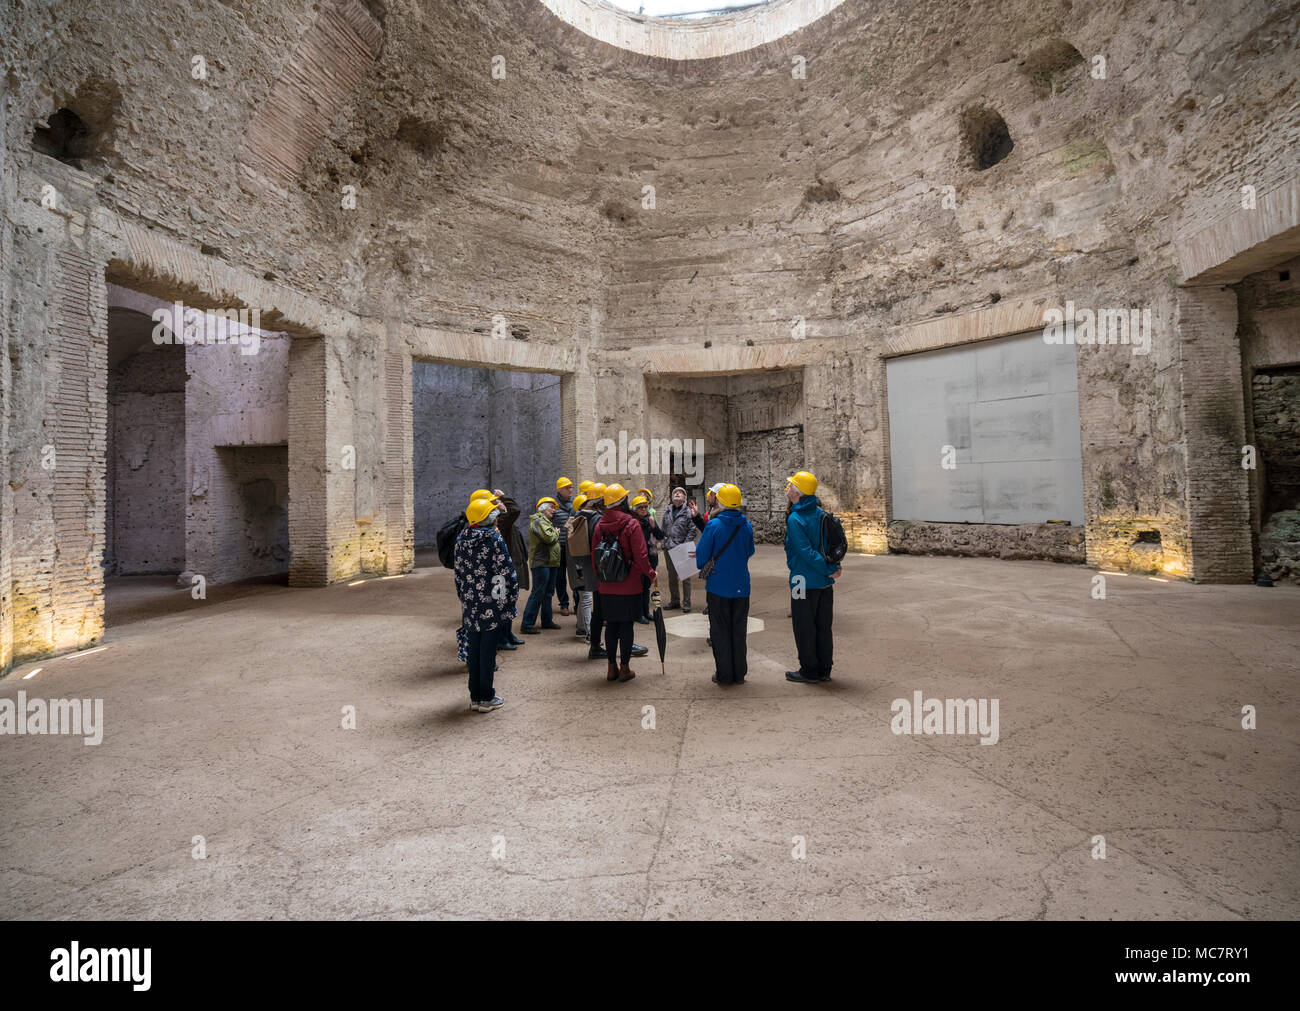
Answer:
(742, 231)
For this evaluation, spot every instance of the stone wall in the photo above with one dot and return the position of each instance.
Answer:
(146, 494)
(249, 504)
(1269, 329)
(432, 209)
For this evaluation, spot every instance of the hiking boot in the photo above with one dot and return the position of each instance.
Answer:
(625, 673)
(639, 650)
(596, 653)
(496, 702)
(550, 624)
(612, 673)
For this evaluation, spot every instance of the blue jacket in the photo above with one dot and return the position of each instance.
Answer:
(731, 569)
(803, 538)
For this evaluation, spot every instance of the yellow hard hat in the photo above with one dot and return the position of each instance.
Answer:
(805, 482)
(481, 493)
(596, 492)
(640, 500)
(542, 501)
(478, 510)
(649, 495)
(579, 500)
(562, 482)
(729, 496)
(614, 494)
(585, 486)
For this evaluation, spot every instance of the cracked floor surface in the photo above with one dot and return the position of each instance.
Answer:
(1118, 717)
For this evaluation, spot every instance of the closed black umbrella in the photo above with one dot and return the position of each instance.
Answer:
(661, 634)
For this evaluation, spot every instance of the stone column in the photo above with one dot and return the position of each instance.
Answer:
(1214, 431)
(399, 469)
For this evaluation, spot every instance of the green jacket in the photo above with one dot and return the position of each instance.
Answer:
(543, 542)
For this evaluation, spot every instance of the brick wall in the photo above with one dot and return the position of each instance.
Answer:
(1213, 407)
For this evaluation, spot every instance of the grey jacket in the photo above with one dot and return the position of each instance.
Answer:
(560, 520)
(677, 526)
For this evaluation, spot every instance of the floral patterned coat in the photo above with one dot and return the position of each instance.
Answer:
(483, 563)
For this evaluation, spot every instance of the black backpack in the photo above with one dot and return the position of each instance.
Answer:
(834, 544)
(611, 566)
(447, 540)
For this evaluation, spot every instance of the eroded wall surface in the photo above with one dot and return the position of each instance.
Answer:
(818, 221)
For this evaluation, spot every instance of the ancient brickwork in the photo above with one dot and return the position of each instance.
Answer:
(360, 173)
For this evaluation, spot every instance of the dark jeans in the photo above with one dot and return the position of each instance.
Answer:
(562, 579)
(597, 622)
(618, 636)
(503, 638)
(482, 661)
(812, 631)
(728, 618)
(539, 597)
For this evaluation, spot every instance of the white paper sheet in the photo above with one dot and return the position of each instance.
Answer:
(682, 562)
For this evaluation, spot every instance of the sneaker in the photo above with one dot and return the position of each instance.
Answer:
(675, 605)
(529, 630)
(797, 678)
(495, 703)
(549, 624)
(580, 633)
(564, 612)
(639, 650)
(687, 609)
(597, 653)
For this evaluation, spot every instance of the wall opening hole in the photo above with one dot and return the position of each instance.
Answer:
(1149, 537)
(987, 139)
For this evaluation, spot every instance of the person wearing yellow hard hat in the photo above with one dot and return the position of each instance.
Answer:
(544, 560)
(563, 511)
(812, 577)
(488, 587)
(621, 560)
(586, 602)
(650, 530)
(650, 503)
(585, 486)
(507, 525)
(723, 554)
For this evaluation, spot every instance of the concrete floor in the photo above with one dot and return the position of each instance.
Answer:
(1118, 718)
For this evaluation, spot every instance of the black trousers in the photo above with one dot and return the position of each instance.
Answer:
(645, 596)
(597, 622)
(562, 577)
(728, 618)
(812, 630)
(618, 637)
(482, 661)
